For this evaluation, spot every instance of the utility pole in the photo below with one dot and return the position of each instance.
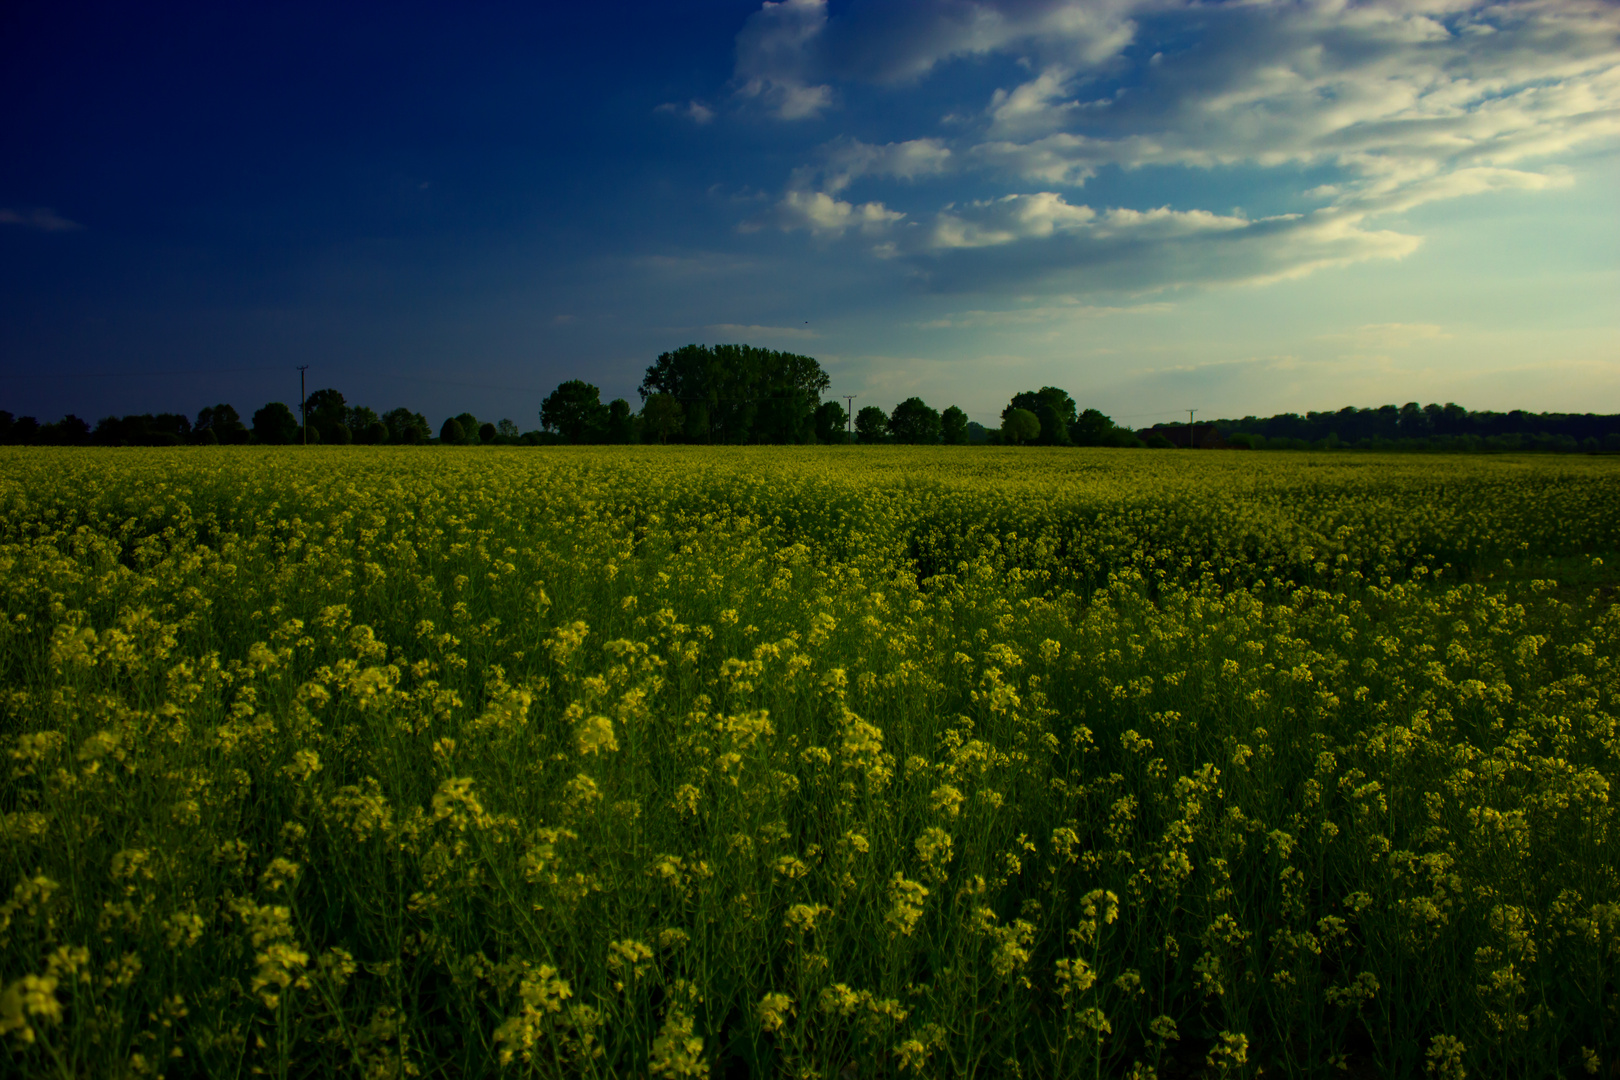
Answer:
(849, 415)
(303, 408)
(1192, 432)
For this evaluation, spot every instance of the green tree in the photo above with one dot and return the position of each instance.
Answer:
(953, 424)
(1091, 428)
(1020, 426)
(469, 428)
(832, 422)
(507, 430)
(324, 411)
(697, 423)
(486, 433)
(450, 433)
(359, 421)
(223, 421)
(661, 416)
(871, 425)
(1054, 425)
(621, 423)
(407, 427)
(785, 416)
(747, 394)
(275, 424)
(914, 423)
(575, 411)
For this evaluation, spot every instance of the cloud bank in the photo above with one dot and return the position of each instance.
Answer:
(1398, 102)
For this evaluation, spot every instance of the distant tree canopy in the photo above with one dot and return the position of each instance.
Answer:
(1436, 427)
(661, 417)
(832, 423)
(914, 423)
(223, 422)
(575, 411)
(740, 393)
(275, 424)
(406, 427)
(326, 412)
(1019, 426)
(1052, 408)
(871, 425)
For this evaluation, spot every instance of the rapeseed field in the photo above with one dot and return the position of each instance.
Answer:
(819, 762)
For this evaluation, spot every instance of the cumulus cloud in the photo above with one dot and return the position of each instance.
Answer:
(1011, 242)
(845, 160)
(824, 215)
(693, 110)
(778, 56)
(42, 218)
(1403, 102)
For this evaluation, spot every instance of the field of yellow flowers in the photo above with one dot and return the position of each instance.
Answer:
(818, 762)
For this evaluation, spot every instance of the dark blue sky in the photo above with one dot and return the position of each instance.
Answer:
(453, 207)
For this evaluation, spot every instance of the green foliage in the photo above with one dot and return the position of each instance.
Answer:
(275, 424)
(1053, 408)
(661, 417)
(451, 434)
(224, 422)
(871, 425)
(406, 427)
(575, 411)
(325, 411)
(913, 422)
(360, 420)
(1019, 426)
(832, 423)
(954, 427)
(1092, 428)
(621, 423)
(747, 394)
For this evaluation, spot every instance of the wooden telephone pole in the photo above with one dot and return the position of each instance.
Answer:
(303, 408)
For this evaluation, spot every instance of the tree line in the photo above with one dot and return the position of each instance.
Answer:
(1448, 427)
(744, 394)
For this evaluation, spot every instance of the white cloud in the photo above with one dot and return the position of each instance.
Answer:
(41, 218)
(822, 214)
(1025, 241)
(776, 55)
(693, 110)
(845, 160)
(1402, 102)
(1010, 218)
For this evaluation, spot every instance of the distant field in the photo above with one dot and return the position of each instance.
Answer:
(822, 762)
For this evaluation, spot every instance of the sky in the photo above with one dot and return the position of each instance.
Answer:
(1159, 205)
